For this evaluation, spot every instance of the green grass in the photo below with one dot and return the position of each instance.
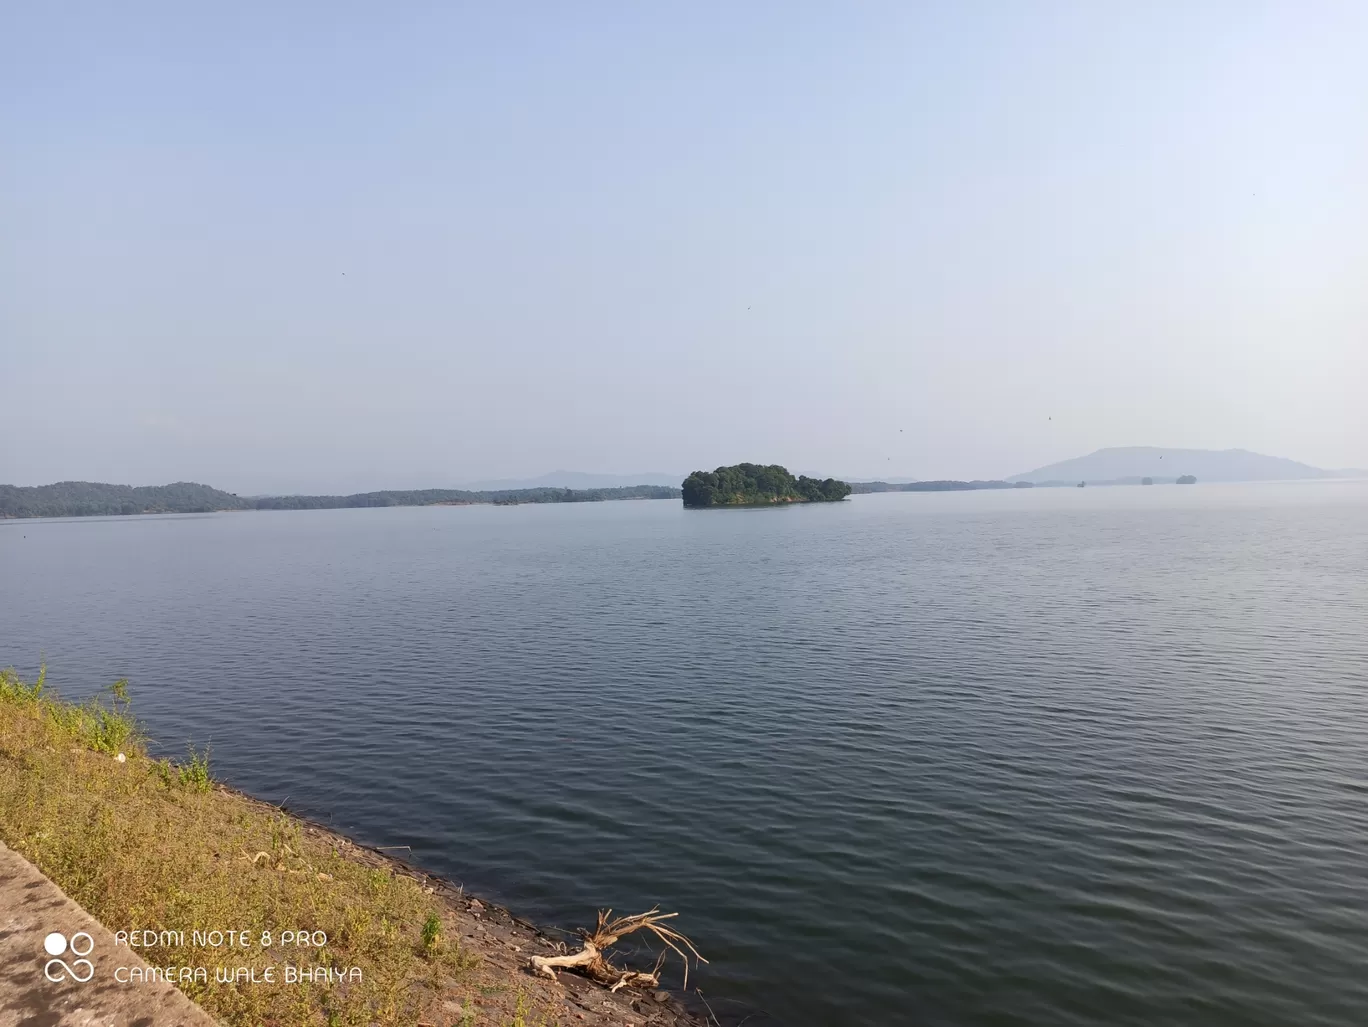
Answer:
(101, 724)
(144, 843)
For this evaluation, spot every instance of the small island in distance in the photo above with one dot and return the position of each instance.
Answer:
(758, 485)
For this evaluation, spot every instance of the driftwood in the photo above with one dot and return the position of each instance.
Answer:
(592, 959)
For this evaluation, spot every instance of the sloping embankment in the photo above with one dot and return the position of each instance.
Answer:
(257, 916)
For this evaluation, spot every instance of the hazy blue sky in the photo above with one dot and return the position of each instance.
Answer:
(340, 246)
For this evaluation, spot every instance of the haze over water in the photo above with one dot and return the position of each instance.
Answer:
(1042, 757)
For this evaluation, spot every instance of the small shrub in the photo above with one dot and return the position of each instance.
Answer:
(194, 773)
(432, 933)
(13, 689)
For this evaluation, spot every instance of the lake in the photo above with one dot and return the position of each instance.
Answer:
(1045, 757)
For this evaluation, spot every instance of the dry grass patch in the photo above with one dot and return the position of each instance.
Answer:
(144, 844)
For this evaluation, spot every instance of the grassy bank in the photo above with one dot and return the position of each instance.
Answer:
(145, 844)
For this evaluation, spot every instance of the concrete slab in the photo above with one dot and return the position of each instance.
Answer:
(85, 992)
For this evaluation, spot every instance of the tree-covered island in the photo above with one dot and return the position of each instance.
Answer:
(758, 484)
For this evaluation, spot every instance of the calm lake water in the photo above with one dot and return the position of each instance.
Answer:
(1049, 757)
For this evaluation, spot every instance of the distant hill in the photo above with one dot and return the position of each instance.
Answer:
(576, 480)
(1126, 464)
(95, 499)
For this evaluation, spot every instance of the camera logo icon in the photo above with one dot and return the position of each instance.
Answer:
(80, 945)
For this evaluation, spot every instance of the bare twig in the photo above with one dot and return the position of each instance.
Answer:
(711, 1015)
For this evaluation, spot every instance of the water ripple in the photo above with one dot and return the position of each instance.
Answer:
(1063, 757)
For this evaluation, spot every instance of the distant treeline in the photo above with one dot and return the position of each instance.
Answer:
(459, 497)
(95, 499)
(862, 487)
(1185, 479)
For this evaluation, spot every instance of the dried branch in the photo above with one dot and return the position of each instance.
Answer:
(593, 961)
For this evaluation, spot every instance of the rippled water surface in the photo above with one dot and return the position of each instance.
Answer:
(1052, 757)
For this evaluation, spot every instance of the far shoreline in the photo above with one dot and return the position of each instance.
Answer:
(20, 510)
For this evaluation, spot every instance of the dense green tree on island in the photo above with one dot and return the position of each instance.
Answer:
(746, 484)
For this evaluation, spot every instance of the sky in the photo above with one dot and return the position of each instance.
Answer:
(334, 246)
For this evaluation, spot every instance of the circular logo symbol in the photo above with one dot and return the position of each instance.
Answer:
(80, 970)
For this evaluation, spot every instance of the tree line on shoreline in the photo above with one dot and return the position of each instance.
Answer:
(865, 487)
(96, 499)
(742, 484)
